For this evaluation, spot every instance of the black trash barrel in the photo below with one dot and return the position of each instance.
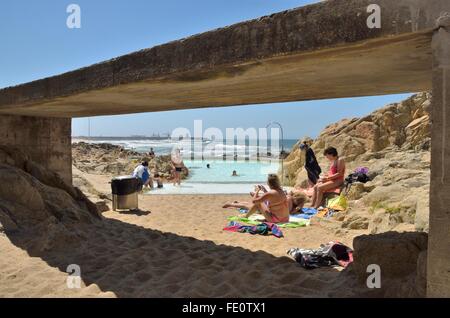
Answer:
(125, 192)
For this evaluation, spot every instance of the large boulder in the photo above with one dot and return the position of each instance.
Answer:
(396, 253)
(38, 210)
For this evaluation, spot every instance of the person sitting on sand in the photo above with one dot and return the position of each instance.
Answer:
(333, 179)
(273, 204)
(296, 199)
(143, 174)
(296, 202)
(234, 174)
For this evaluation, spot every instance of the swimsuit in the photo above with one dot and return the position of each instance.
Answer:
(334, 170)
(177, 169)
(275, 218)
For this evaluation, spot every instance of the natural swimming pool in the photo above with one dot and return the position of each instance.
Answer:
(218, 178)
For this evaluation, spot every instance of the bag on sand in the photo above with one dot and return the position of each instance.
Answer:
(331, 254)
(339, 203)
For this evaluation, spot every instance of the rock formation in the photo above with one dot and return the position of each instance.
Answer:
(108, 159)
(39, 204)
(394, 143)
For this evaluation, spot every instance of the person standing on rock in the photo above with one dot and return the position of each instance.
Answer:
(333, 180)
(311, 165)
(151, 153)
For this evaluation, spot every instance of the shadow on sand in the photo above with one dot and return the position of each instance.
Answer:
(133, 261)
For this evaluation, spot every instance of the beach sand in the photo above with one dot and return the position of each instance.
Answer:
(174, 247)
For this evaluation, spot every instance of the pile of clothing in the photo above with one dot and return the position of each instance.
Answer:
(326, 213)
(264, 228)
(331, 254)
(359, 175)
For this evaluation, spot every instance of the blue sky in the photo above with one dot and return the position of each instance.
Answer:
(36, 43)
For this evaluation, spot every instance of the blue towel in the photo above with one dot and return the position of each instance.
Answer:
(307, 213)
(243, 211)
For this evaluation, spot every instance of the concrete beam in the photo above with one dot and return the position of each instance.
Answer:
(325, 50)
(438, 267)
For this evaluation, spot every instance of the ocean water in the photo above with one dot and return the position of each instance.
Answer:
(207, 149)
(218, 178)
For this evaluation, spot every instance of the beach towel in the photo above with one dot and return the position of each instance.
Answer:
(261, 229)
(244, 220)
(307, 213)
(294, 224)
(257, 219)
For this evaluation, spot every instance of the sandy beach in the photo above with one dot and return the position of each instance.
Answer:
(174, 247)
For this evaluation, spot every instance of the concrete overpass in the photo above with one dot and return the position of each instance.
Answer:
(325, 50)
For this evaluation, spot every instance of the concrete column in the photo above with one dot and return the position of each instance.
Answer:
(438, 267)
(46, 140)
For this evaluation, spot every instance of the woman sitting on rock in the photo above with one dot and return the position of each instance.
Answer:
(333, 179)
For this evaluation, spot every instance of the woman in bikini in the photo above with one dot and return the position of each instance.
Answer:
(333, 180)
(273, 204)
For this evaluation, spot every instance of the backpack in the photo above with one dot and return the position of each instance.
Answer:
(357, 177)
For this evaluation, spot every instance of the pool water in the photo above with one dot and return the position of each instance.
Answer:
(220, 171)
(218, 178)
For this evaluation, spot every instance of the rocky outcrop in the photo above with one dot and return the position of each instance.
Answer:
(108, 159)
(403, 125)
(397, 127)
(394, 143)
(38, 203)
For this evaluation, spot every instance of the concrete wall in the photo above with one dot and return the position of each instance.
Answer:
(439, 233)
(46, 140)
